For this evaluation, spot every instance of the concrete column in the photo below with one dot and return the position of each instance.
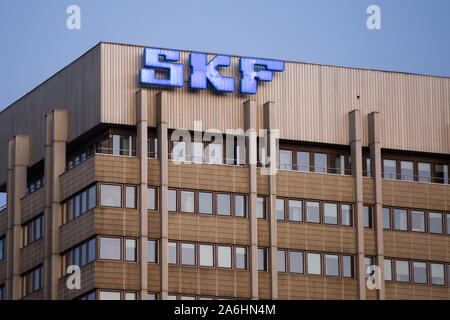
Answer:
(59, 142)
(375, 164)
(251, 147)
(270, 123)
(356, 152)
(163, 153)
(142, 132)
(19, 160)
(48, 206)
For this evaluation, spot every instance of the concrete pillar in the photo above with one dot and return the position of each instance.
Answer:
(19, 157)
(163, 152)
(251, 148)
(48, 206)
(355, 131)
(142, 132)
(375, 164)
(270, 123)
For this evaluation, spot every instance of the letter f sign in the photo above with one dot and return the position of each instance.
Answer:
(202, 72)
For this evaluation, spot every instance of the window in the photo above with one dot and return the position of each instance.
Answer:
(314, 263)
(437, 273)
(81, 255)
(368, 261)
(239, 206)
(402, 270)
(241, 258)
(110, 195)
(388, 269)
(448, 224)
(417, 221)
(172, 297)
(109, 295)
(296, 262)
(424, 171)
(130, 296)
(303, 161)
(151, 194)
(346, 215)
(151, 296)
(33, 280)
(441, 173)
(172, 200)
(332, 265)
(92, 197)
(172, 253)
(187, 201)
(33, 230)
(407, 170)
(130, 250)
(223, 204)
(206, 255)
(386, 218)
(130, 197)
(367, 212)
(281, 258)
(83, 202)
(205, 202)
(188, 254)
(2, 248)
(435, 222)
(280, 209)
(347, 266)
(2, 293)
(390, 169)
(285, 160)
(261, 214)
(338, 163)
(262, 260)
(312, 211)
(224, 256)
(320, 162)
(152, 251)
(368, 168)
(179, 151)
(110, 249)
(215, 153)
(77, 206)
(122, 145)
(401, 219)
(330, 213)
(197, 152)
(420, 272)
(295, 210)
(187, 297)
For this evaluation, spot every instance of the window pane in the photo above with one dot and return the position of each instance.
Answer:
(109, 295)
(130, 197)
(424, 171)
(296, 262)
(314, 263)
(388, 269)
(303, 163)
(295, 210)
(130, 296)
(332, 265)
(38, 228)
(77, 211)
(448, 224)
(83, 201)
(239, 206)
(420, 272)
(441, 173)
(92, 197)
(320, 162)
(407, 170)
(368, 168)
(130, 250)
(206, 255)
(285, 159)
(261, 208)
(280, 209)
(187, 298)
(312, 211)
(346, 215)
(188, 254)
(110, 195)
(187, 201)
(347, 266)
(417, 221)
(437, 273)
(151, 296)
(172, 200)
(262, 259)
(330, 213)
(386, 218)
(215, 153)
(338, 163)
(172, 253)
(92, 250)
(401, 219)
(223, 204)
(241, 258)
(152, 251)
(435, 222)
(110, 249)
(367, 210)
(172, 297)
(205, 202)
(390, 169)
(83, 254)
(197, 152)
(281, 256)
(151, 193)
(367, 262)
(179, 151)
(77, 256)
(402, 270)
(224, 257)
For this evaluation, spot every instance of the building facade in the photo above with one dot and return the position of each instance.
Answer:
(162, 192)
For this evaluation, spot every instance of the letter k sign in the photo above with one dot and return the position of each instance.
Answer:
(202, 72)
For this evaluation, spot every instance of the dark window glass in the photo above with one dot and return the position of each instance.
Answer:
(172, 253)
(303, 161)
(386, 218)
(417, 221)
(92, 197)
(332, 265)
(83, 201)
(424, 171)
(346, 215)
(285, 160)
(239, 206)
(224, 256)
(77, 256)
(110, 195)
(437, 273)
(295, 210)
(402, 270)
(347, 266)
(77, 206)
(420, 272)
(152, 251)
(205, 202)
(151, 193)
(441, 173)
(172, 200)
(448, 224)
(2, 248)
(312, 211)
(262, 261)
(296, 262)
(281, 256)
(261, 214)
(92, 254)
(83, 254)
(407, 170)
(241, 258)
(435, 222)
(206, 255)
(367, 211)
(390, 169)
(401, 219)
(188, 254)
(320, 162)
(280, 209)
(223, 204)
(314, 263)
(388, 269)
(338, 163)
(110, 249)
(130, 197)
(130, 250)
(330, 213)
(187, 201)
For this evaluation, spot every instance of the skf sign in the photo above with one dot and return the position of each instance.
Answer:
(203, 71)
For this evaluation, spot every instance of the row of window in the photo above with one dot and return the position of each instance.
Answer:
(35, 185)
(80, 255)
(80, 203)
(33, 230)
(306, 161)
(33, 280)
(415, 171)
(133, 295)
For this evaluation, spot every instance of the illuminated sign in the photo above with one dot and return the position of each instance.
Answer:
(203, 71)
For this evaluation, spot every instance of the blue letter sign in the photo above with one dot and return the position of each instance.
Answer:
(202, 71)
(151, 60)
(249, 75)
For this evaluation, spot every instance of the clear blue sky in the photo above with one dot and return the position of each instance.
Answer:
(35, 42)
